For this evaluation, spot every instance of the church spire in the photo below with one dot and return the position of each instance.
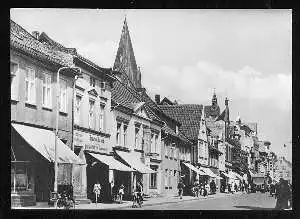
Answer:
(214, 99)
(125, 60)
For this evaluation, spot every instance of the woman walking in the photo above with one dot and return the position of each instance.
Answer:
(97, 191)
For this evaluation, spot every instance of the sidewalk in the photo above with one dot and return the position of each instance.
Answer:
(126, 204)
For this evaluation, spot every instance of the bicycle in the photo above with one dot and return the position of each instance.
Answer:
(137, 199)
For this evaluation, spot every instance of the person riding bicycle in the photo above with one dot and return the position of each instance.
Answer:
(137, 195)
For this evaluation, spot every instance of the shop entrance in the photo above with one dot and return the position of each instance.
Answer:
(122, 177)
(97, 171)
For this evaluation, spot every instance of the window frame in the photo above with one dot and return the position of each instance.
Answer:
(47, 86)
(124, 134)
(31, 98)
(102, 115)
(92, 110)
(14, 77)
(118, 134)
(61, 93)
(77, 116)
(137, 136)
(92, 81)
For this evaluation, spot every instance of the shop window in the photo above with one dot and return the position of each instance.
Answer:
(46, 90)
(14, 92)
(30, 86)
(63, 96)
(77, 109)
(125, 135)
(20, 177)
(118, 136)
(153, 179)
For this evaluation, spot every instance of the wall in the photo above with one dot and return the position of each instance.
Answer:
(36, 114)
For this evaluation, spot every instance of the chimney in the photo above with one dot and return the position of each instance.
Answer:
(157, 98)
(35, 34)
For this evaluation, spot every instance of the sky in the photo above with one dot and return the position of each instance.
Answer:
(245, 55)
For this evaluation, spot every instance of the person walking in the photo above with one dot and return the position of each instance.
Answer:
(121, 192)
(213, 187)
(97, 191)
(283, 195)
(180, 187)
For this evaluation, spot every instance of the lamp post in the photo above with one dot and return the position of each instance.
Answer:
(56, 124)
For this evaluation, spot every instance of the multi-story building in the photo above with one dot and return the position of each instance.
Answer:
(283, 169)
(34, 110)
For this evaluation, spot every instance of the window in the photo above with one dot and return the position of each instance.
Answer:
(152, 146)
(166, 179)
(118, 136)
(125, 134)
(14, 89)
(77, 109)
(92, 82)
(137, 137)
(156, 144)
(30, 86)
(101, 116)
(63, 96)
(47, 90)
(91, 114)
(21, 177)
(102, 86)
(153, 179)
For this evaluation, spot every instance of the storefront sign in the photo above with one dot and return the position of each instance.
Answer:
(90, 142)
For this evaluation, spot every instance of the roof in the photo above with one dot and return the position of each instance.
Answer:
(211, 111)
(72, 51)
(166, 101)
(189, 115)
(22, 40)
(216, 128)
(129, 98)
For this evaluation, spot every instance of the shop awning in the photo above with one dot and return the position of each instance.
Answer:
(190, 166)
(238, 176)
(112, 163)
(43, 141)
(134, 161)
(215, 171)
(228, 175)
(208, 172)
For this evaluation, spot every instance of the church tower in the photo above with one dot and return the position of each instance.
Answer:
(125, 62)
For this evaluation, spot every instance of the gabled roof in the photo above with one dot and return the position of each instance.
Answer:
(189, 115)
(215, 128)
(46, 40)
(22, 40)
(166, 101)
(129, 98)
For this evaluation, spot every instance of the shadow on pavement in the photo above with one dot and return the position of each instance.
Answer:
(254, 208)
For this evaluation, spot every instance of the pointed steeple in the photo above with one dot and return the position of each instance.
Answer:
(125, 60)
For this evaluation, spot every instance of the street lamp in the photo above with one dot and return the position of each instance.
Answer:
(56, 125)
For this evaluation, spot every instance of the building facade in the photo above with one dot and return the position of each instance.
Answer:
(34, 68)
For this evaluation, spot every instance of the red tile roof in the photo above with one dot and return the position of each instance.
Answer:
(189, 115)
(21, 40)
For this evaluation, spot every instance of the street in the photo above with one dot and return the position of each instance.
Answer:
(253, 201)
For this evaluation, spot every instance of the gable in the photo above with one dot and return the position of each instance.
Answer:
(142, 112)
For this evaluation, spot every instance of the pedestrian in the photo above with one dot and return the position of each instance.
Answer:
(213, 187)
(206, 189)
(97, 191)
(235, 187)
(283, 195)
(121, 192)
(180, 187)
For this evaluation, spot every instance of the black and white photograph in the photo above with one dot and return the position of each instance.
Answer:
(126, 109)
